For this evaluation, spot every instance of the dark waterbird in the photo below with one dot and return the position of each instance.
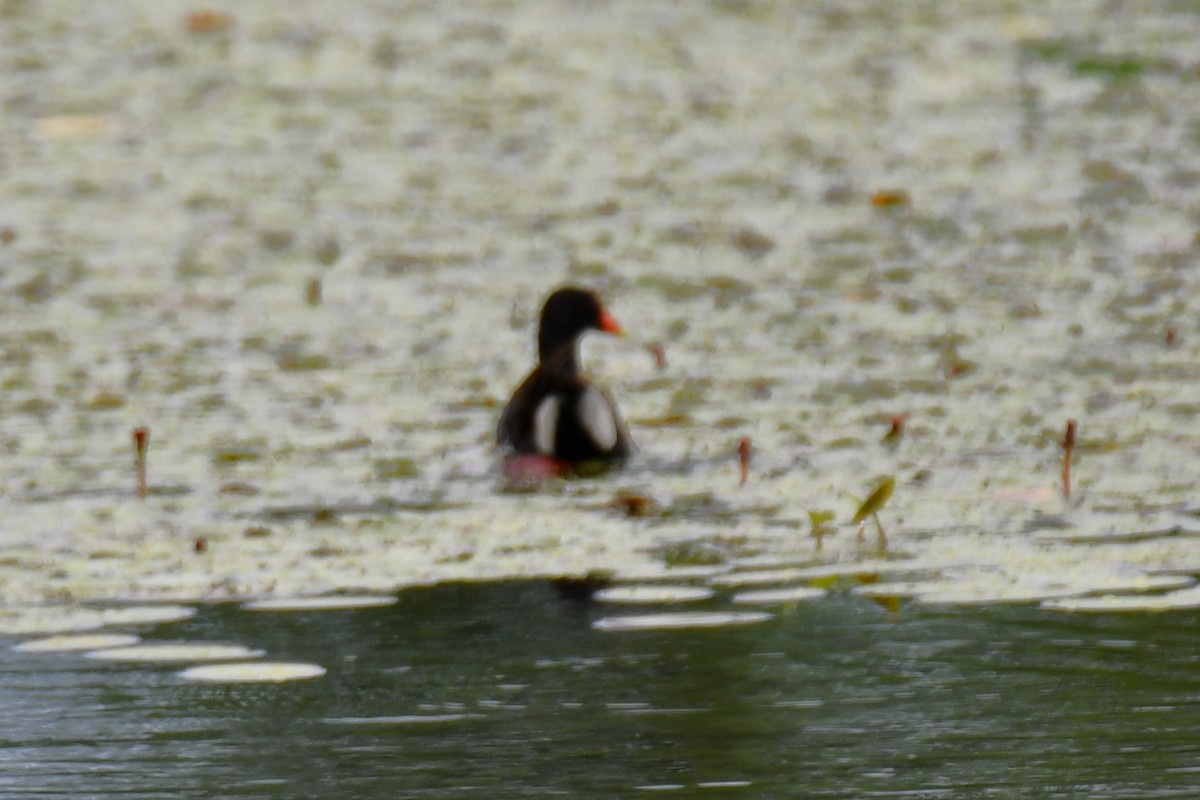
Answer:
(557, 421)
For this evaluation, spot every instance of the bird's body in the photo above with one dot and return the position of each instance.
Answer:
(556, 414)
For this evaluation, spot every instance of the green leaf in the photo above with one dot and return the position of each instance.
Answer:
(819, 518)
(875, 502)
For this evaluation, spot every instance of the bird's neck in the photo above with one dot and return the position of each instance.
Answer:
(563, 359)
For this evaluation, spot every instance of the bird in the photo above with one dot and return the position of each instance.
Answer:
(558, 422)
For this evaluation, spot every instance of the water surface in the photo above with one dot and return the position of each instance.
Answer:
(505, 690)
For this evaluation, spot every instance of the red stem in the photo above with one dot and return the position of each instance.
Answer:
(1068, 445)
(744, 459)
(141, 441)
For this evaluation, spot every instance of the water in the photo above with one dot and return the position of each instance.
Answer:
(505, 690)
(724, 173)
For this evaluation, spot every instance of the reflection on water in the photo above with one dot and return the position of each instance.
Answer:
(506, 690)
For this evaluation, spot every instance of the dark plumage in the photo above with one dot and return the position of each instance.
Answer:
(556, 412)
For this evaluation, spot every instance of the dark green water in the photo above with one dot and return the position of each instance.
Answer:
(505, 690)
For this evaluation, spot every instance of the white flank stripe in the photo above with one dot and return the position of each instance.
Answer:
(597, 418)
(545, 424)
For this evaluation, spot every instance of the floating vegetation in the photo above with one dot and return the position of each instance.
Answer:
(1119, 67)
(235, 452)
(977, 588)
(753, 243)
(890, 198)
(72, 126)
(294, 359)
(146, 615)
(634, 505)
(1126, 603)
(253, 672)
(285, 393)
(77, 642)
(681, 619)
(651, 595)
(693, 554)
(871, 568)
(1192, 570)
(766, 597)
(989, 593)
(63, 619)
(668, 573)
(396, 468)
(895, 589)
(106, 401)
(760, 577)
(207, 21)
(326, 603)
(771, 561)
(1110, 535)
(174, 653)
(47, 621)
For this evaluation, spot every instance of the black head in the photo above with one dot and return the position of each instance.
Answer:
(568, 313)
